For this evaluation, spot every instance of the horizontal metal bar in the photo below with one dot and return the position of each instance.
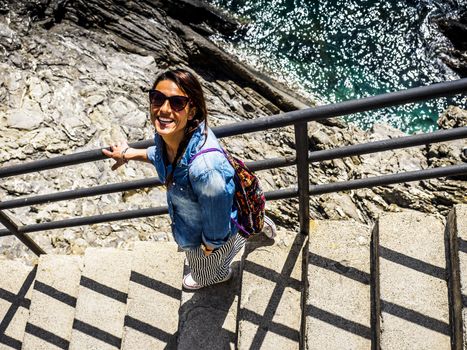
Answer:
(389, 144)
(315, 156)
(131, 214)
(121, 187)
(344, 108)
(382, 180)
(268, 122)
(90, 220)
(390, 179)
(365, 148)
(285, 193)
(271, 163)
(272, 195)
(80, 193)
(61, 161)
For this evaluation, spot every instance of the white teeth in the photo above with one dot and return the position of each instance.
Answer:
(165, 120)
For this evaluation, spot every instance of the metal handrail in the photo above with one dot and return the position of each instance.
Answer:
(347, 107)
(315, 156)
(90, 220)
(288, 193)
(267, 122)
(297, 118)
(80, 193)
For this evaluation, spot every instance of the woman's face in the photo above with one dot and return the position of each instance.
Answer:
(170, 124)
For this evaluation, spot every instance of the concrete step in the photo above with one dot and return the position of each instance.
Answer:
(16, 280)
(456, 229)
(412, 306)
(53, 302)
(337, 311)
(102, 297)
(208, 316)
(270, 304)
(153, 297)
(133, 300)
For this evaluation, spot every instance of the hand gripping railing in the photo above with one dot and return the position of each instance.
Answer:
(303, 190)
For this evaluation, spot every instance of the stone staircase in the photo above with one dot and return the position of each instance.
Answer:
(399, 285)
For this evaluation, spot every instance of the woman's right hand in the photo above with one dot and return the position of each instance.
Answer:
(117, 152)
(206, 249)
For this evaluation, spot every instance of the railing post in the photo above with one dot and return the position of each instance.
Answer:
(301, 148)
(13, 228)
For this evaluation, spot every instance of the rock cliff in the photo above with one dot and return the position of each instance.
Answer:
(455, 29)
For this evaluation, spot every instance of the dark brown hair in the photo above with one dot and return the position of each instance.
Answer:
(190, 85)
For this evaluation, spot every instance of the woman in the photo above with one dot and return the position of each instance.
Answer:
(200, 189)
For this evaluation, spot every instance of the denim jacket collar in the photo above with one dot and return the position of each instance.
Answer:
(191, 148)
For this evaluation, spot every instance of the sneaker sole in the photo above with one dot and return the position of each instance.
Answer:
(270, 232)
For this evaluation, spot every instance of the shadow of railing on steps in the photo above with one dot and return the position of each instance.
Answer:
(281, 281)
(91, 330)
(365, 278)
(303, 157)
(16, 300)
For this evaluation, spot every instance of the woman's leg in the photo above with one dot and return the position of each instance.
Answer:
(211, 269)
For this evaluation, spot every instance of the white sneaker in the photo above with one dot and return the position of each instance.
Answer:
(269, 228)
(191, 284)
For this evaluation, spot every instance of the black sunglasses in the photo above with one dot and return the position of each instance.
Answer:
(177, 103)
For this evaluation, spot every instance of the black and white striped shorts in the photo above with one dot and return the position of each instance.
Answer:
(213, 268)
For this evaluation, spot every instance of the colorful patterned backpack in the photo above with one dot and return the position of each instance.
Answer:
(249, 197)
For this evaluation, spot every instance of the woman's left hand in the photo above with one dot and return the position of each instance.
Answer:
(116, 153)
(206, 250)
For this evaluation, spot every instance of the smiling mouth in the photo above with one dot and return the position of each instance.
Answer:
(165, 121)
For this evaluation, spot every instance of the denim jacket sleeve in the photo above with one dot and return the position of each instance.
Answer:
(211, 178)
(154, 154)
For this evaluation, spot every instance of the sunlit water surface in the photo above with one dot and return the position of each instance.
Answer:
(336, 50)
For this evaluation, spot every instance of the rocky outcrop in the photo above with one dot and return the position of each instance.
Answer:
(73, 76)
(456, 31)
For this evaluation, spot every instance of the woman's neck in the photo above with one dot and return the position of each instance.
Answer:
(171, 146)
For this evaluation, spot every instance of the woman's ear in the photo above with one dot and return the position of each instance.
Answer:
(192, 113)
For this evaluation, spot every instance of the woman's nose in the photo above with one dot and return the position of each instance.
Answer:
(166, 108)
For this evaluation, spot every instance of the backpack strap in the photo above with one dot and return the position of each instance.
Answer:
(207, 150)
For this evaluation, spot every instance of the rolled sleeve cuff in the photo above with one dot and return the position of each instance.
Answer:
(151, 154)
(217, 242)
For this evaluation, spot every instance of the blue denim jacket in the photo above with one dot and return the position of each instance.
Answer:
(200, 198)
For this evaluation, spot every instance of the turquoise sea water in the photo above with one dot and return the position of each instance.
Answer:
(336, 50)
